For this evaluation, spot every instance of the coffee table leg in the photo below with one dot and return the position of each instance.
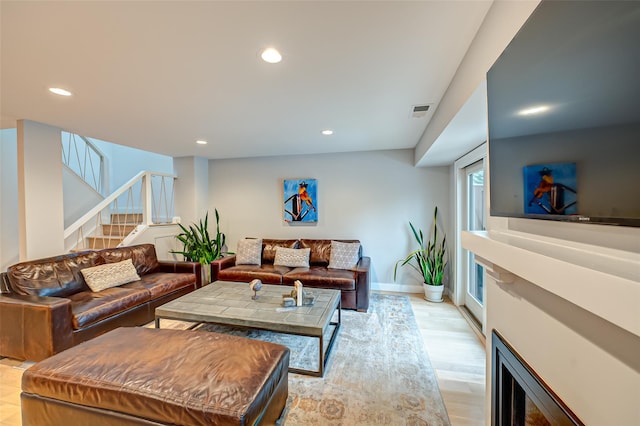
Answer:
(157, 322)
(324, 357)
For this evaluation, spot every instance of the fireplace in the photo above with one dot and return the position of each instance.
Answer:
(519, 397)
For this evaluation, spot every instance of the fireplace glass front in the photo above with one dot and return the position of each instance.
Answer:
(519, 397)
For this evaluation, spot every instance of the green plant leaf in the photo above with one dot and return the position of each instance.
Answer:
(429, 260)
(197, 242)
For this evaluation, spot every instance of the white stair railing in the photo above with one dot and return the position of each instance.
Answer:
(147, 199)
(84, 159)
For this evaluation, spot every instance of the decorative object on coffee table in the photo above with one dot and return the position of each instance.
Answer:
(298, 289)
(255, 286)
(288, 301)
(291, 299)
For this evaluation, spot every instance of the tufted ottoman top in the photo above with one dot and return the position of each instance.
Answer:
(168, 376)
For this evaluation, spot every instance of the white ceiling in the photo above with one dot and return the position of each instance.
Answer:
(467, 130)
(159, 75)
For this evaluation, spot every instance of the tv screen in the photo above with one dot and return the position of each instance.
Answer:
(564, 115)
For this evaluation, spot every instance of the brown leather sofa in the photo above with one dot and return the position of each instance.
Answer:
(354, 284)
(47, 307)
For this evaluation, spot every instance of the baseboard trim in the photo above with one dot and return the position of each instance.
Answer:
(398, 288)
(474, 324)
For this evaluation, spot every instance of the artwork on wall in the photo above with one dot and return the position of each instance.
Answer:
(300, 200)
(550, 189)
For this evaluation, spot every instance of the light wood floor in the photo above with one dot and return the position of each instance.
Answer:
(458, 357)
(456, 353)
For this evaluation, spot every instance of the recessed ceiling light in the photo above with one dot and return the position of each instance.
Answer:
(327, 132)
(534, 110)
(201, 142)
(59, 91)
(271, 55)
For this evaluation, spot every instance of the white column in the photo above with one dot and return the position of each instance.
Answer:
(191, 188)
(40, 199)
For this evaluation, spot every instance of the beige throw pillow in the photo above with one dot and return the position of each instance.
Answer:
(293, 258)
(344, 255)
(249, 251)
(110, 275)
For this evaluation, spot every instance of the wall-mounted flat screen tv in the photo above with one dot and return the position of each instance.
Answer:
(564, 115)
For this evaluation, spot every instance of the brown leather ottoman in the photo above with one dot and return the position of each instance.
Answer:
(144, 376)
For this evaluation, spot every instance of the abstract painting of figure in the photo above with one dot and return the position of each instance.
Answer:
(550, 189)
(300, 200)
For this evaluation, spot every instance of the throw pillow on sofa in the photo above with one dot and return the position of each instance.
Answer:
(344, 255)
(293, 258)
(110, 275)
(249, 251)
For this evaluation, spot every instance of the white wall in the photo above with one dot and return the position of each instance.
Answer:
(40, 200)
(191, 188)
(126, 162)
(370, 196)
(590, 363)
(79, 197)
(8, 198)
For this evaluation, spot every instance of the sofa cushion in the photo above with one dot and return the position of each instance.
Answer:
(292, 258)
(249, 251)
(89, 307)
(160, 283)
(54, 276)
(269, 247)
(267, 273)
(321, 277)
(143, 257)
(110, 275)
(344, 255)
(321, 250)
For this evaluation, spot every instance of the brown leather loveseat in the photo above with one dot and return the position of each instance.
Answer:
(46, 305)
(354, 282)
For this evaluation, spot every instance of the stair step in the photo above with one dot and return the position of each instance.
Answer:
(126, 218)
(118, 230)
(95, 243)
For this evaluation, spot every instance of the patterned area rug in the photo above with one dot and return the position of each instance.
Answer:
(378, 372)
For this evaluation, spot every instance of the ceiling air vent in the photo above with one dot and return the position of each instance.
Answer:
(420, 111)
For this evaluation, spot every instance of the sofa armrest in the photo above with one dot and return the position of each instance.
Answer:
(220, 264)
(33, 327)
(182, 267)
(363, 283)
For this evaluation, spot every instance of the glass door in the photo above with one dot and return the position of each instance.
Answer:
(474, 220)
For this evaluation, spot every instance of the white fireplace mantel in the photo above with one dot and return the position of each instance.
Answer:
(603, 281)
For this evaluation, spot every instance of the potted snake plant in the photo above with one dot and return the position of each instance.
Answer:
(198, 246)
(429, 260)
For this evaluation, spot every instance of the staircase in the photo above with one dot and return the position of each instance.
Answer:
(111, 234)
(147, 199)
